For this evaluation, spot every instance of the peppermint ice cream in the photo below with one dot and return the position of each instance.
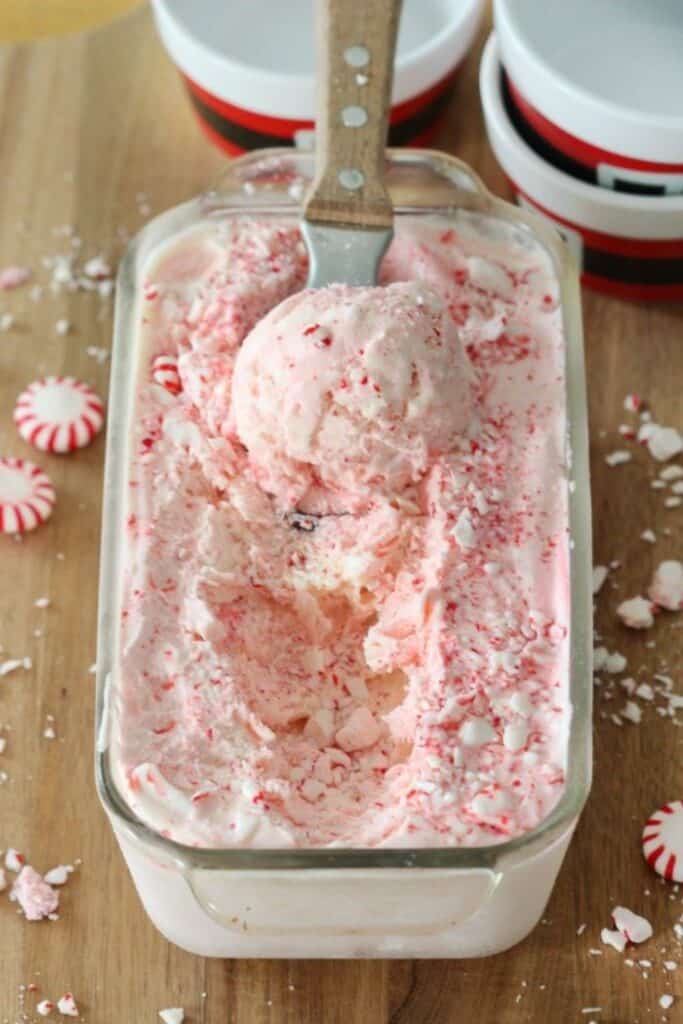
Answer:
(342, 395)
(345, 608)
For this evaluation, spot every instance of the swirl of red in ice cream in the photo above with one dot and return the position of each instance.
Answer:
(342, 394)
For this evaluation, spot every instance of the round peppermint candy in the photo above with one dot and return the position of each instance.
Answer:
(663, 841)
(59, 414)
(165, 373)
(27, 496)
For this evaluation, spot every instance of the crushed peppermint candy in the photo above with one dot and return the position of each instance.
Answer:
(464, 530)
(100, 355)
(632, 403)
(611, 663)
(67, 1005)
(13, 277)
(14, 860)
(58, 875)
(636, 613)
(666, 589)
(632, 712)
(666, 1002)
(34, 895)
(12, 664)
(637, 929)
(165, 373)
(45, 1007)
(173, 1015)
(618, 458)
(599, 577)
(649, 535)
(97, 269)
(616, 939)
(3, 880)
(670, 473)
(662, 442)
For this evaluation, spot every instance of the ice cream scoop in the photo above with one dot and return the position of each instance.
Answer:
(348, 215)
(345, 394)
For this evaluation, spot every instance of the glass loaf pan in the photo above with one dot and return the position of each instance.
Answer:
(437, 902)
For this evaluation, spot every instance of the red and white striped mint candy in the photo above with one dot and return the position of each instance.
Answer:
(27, 496)
(663, 841)
(165, 373)
(59, 414)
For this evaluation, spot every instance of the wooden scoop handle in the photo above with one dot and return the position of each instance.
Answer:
(356, 42)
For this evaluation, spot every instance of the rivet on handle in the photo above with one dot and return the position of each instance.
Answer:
(354, 117)
(357, 56)
(351, 178)
(356, 46)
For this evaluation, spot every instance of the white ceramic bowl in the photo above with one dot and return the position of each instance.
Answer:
(249, 67)
(628, 245)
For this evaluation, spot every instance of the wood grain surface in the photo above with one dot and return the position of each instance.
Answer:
(87, 124)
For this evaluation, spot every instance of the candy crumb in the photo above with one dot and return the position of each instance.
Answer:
(36, 898)
(58, 875)
(618, 458)
(636, 928)
(666, 588)
(97, 269)
(599, 577)
(173, 1015)
(14, 860)
(13, 277)
(67, 1005)
(632, 712)
(636, 613)
(616, 939)
(45, 1007)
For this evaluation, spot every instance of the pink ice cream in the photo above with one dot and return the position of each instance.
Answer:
(342, 394)
(394, 673)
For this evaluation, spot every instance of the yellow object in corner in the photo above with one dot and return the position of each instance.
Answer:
(38, 19)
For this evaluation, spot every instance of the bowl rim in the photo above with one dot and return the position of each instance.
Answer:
(600, 209)
(293, 94)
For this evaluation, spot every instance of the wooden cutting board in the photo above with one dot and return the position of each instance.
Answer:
(87, 125)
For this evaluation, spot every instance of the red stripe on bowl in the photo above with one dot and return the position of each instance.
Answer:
(279, 126)
(575, 147)
(285, 127)
(644, 248)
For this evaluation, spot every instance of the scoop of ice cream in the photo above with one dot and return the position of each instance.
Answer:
(341, 394)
